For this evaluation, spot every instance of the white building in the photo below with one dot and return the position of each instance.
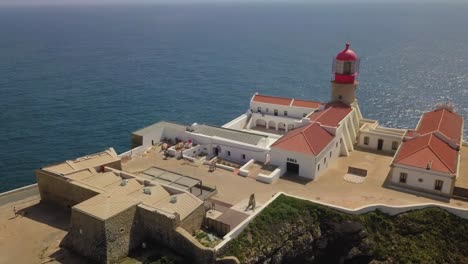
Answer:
(303, 137)
(429, 158)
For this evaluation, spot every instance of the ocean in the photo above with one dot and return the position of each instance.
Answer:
(75, 80)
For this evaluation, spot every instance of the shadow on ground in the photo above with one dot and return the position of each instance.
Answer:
(48, 214)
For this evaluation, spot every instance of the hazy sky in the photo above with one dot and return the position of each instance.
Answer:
(87, 2)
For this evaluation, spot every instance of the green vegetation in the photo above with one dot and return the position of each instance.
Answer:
(154, 254)
(293, 230)
(205, 240)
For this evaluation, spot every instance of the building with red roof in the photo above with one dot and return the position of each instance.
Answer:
(429, 157)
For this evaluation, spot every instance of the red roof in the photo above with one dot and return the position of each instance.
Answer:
(306, 104)
(442, 120)
(420, 151)
(285, 101)
(332, 114)
(310, 139)
(272, 100)
(347, 54)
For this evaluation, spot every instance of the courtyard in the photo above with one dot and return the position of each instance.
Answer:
(329, 187)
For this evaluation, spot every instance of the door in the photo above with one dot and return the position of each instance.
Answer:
(380, 144)
(292, 167)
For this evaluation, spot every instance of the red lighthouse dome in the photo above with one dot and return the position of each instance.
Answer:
(345, 66)
(347, 54)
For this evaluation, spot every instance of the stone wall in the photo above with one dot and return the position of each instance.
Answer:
(86, 237)
(58, 190)
(122, 234)
(185, 244)
(163, 229)
(194, 221)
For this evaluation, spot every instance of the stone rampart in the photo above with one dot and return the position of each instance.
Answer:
(58, 190)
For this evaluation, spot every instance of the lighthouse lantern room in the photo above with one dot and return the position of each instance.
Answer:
(345, 71)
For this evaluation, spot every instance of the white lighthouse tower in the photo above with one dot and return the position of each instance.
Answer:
(345, 71)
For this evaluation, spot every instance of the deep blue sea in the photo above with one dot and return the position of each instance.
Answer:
(78, 79)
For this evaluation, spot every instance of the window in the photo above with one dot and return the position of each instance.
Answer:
(259, 109)
(275, 112)
(394, 145)
(291, 160)
(285, 113)
(304, 114)
(420, 180)
(438, 185)
(243, 156)
(330, 154)
(336, 145)
(366, 140)
(229, 153)
(340, 97)
(324, 160)
(403, 177)
(347, 67)
(318, 167)
(267, 110)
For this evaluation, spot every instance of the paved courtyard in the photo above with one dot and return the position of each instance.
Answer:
(330, 187)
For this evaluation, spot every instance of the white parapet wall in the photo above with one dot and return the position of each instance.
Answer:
(270, 178)
(388, 209)
(133, 152)
(244, 170)
(239, 123)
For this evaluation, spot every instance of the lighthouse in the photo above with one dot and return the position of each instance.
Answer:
(345, 71)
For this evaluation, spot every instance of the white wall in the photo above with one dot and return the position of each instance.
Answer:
(373, 141)
(428, 179)
(279, 157)
(288, 121)
(238, 123)
(293, 111)
(335, 148)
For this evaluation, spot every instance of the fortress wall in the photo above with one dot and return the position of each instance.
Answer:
(122, 234)
(164, 229)
(58, 190)
(86, 237)
(156, 227)
(185, 244)
(194, 221)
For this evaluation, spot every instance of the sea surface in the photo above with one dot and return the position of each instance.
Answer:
(75, 80)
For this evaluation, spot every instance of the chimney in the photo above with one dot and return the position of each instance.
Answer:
(429, 165)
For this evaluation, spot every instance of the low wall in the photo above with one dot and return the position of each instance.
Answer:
(59, 190)
(135, 151)
(270, 178)
(19, 194)
(244, 170)
(188, 246)
(225, 167)
(194, 221)
(388, 209)
(239, 228)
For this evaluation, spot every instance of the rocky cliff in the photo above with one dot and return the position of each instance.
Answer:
(296, 231)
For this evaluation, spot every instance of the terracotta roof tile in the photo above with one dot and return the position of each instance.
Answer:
(419, 151)
(448, 123)
(332, 114)
(285, 101)
(306, 104)
(272, 100)
(310, 139)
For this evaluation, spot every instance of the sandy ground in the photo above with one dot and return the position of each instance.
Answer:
(34, 235)
(330, 187)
